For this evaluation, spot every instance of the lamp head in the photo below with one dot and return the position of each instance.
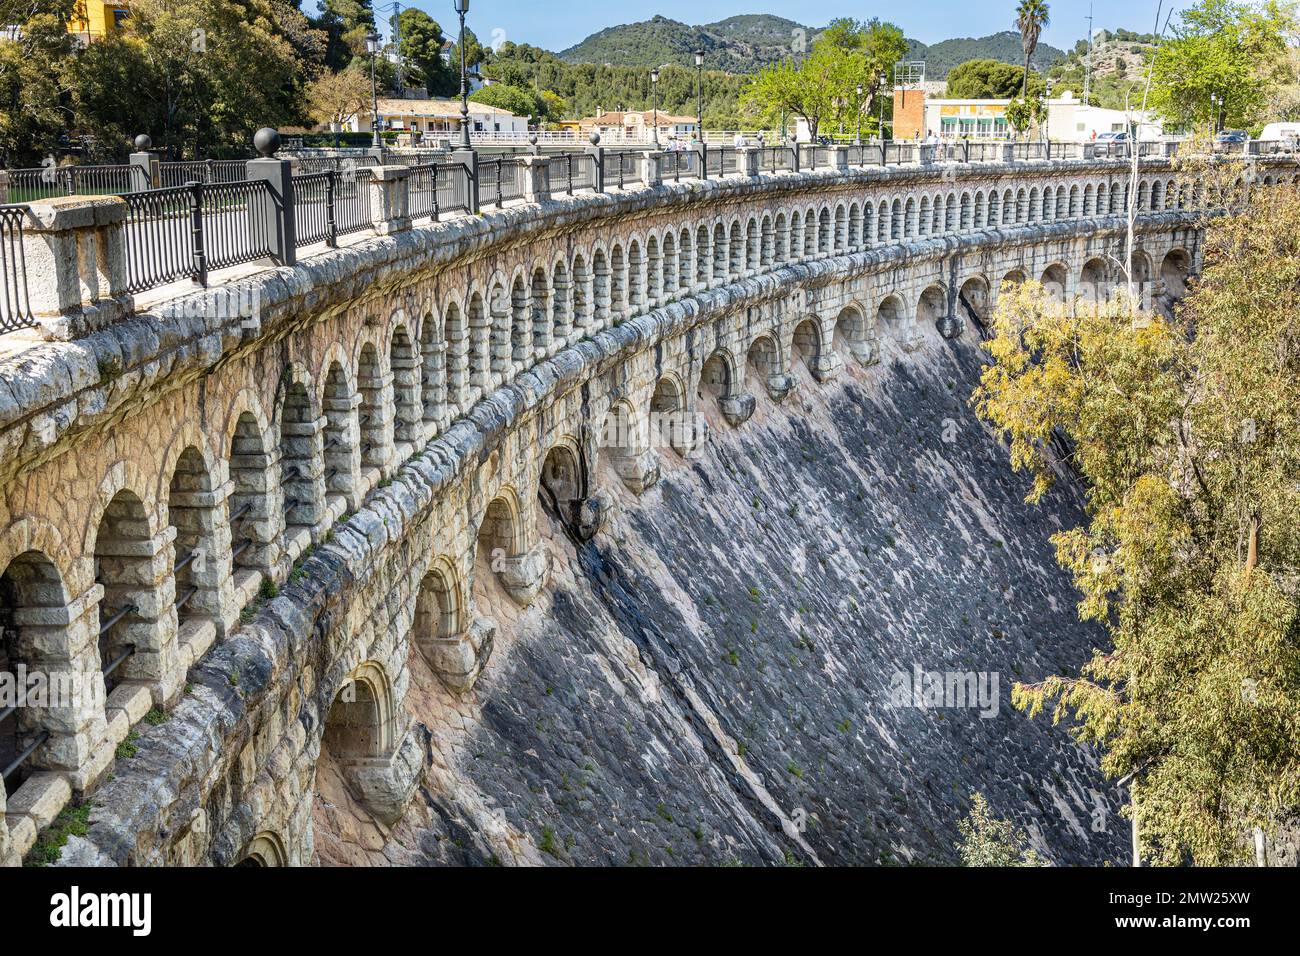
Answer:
(462, 7)
(372, 42)
(699, 57)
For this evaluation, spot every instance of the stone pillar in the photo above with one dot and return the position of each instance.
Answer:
(839, 156)
(747, 159)
(537, 179)
(65, 640)
(1089, 150)
(150, 175)
(651, 174)
(75, 253)
(469, 159)
(597, 154)
(4, 198)
(1008, 152)
(342, 450)
(926, 154)
(275, 206)
(390, 209)
(377, 431)
(151, 627)
(406, 377)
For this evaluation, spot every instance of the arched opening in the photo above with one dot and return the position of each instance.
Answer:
(582, 293)
(374, 440)
(716, 379)
(653, 271)
(264, 850)
(250, 498)
(896, 220)
(721, 254)
(702, 257)
(841, 229)
(670, 421)
(480, 342)
(433, 372)
(1094, 282)
(600, 287)
(932, 307)
(891, 315)
(1054, 282)
(438, 605)
(753, 248)
(764, 359)
(635, 271)
(31, 591)
(298, 429)
(499, 542)
(407, 411)
(1140, 270)
(670, 267)
(910, 226)
(561, 487)
(923, 224)
(810, 234)
(339, 450)
(1013, 278)
(973, 301)
(199, 568)
(1175, 270)
(539, 302)
(824, 232)
(736, 249)
(617, 281)
(850, 331)
(807, 342)
(562, 308)
(685, 267)
(124, 566)
(358, 725)
(521, 327)
(457, 337)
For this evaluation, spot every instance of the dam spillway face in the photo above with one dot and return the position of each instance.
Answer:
(715, 679)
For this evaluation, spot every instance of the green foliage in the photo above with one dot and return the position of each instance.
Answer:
(73, 820)
(991, 80)
(943, 57)
(823, 86)
(421, 49)
(743, 44)
(1024, 113)
(1237, 51)
(1186, 430)
(987, 841)
(521, 102)
(1031, 17)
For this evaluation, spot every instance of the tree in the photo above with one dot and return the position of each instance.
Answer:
(1236, 52)
(334, 98)
(1026, 112)
(988, 841)
(1186, 430)
(32, 80)
(823, 87)
(421, 47)
(990, 80)
(1031, 17)
(512, 98)
(346, 23)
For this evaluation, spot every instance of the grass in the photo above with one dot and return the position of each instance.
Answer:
(74, 820)
(157, 716)
(129, 747)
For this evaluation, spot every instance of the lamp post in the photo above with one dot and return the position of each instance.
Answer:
(372, 44)
(462, 8)
(1217, 102)
(699, 94)
(883, 80)
(654, 86)
(858, 141)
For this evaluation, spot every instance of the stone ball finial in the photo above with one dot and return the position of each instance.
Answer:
(266, 141)
(532, 139)
(595, 138)
(143, 143)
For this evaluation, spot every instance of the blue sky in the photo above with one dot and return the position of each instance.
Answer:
(557, 25)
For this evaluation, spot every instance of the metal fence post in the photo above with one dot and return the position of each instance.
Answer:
(196, 233)
(277, 211)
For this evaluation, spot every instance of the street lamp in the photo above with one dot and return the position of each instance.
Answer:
(858, 141)
(699, 96)
(372, 44)
(1217, 101)
(654, 86)
(462, 8)
(883, 81)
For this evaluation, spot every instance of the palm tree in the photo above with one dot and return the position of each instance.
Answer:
(1031, 17)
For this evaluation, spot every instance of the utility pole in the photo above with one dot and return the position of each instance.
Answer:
(1087, 68)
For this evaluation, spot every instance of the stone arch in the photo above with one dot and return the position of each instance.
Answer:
(456, 337)
(824, 235)
(341, 458)
(869, 235)
(685, 265)
(565, 294)
(1048, 210)
(753, 247)
(1141, 268)
(361, 722)
(670, 271)
(910, 224)
(635, 297)
(266, 849)
(807, 342)
(1035, 207)
(520, 317)
(1008, 207)
(373, 414)
(780, 240)
(718, 376)
(540, 314)
(950, 214)
(618, 280)
(973, 299)
(932, 308)
(671, 420)
(703, 257)
(134, 628)
(299, 445)
(811, 243)
(600, 285)
(896, 220)
(1089, 200)
(856, 234)
(1055, 282)
(735, 250)
(1022, 205)
(654, 282)
(721, 253)
(201, 548)
(501, 532)
(562, 483)
(456, 650)
(1094, 281)
(766, 240)
(433, 370)
(32, 593)
(923, 217)
(840, 237)
(1175, 270)
(852, 333)
(981, 209)
(255, 519)
(882, 222)
(966, 212)
(891, 315)
(404, 363)
(1014, 277)
(1074, 202)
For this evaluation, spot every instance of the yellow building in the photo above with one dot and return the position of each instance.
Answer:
(94, 19)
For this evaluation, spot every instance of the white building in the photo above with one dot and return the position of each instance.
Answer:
(1068, 120)
(434, 119)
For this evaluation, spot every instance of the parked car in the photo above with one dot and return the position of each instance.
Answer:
(1231, 137)
(1115, 136)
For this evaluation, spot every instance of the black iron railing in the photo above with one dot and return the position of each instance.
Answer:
(352, 209)
(500, 179)
(203, 171)
(29, 185)
(15, 303)
(182, 232)
(568, 172)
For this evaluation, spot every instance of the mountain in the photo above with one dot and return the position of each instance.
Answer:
(741, 44)
(746, 43)
(1004, 47)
